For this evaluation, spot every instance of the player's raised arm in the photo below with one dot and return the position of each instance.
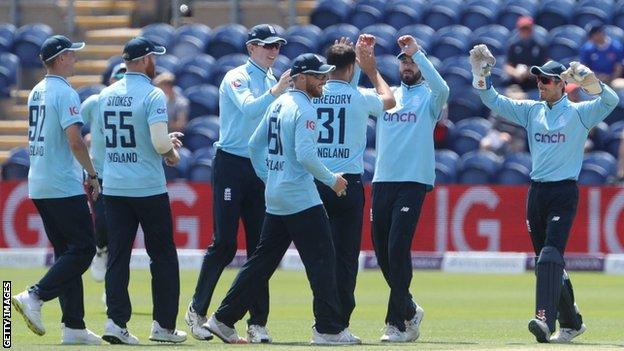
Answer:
(365, 55)
(482, 61)
(594, 111)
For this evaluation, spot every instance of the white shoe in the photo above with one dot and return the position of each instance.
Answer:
(98, 265)
(196, 324)
(412, 327)
(29, 306)
(79, 336)
(161, 334)
(257, 334)
(393, 334)
(343, 338)
(540, 330)
(565, 335)
(226, 334)
(115, 334)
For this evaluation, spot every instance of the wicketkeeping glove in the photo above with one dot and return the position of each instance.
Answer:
(482, 61)
(583, 76)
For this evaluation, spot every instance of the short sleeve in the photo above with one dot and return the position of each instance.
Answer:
(156, 107)
(69, 108)
(88, 110)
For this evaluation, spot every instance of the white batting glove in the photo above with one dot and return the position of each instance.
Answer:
(482, 61)
(584, 77)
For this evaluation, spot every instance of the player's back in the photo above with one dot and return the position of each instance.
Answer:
(342, 113)
(54, 172)
(132, 167)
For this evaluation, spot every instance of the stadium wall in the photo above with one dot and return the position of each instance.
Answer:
(457, 218)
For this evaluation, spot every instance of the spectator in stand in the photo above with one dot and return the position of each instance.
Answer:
(602, 54)
(524, 51)
(177, 104)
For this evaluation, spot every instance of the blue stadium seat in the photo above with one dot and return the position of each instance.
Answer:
(468, 134)
(112, 62)
(446, 166)
(457, 73)
(586, 15)
(197, 30)
(200, 171)
(27, 44)
(423, 34)
(615, 32)
(7, 35)
(385, 39)
(371, 134)
(369, 165)
(224, 64)
(9, 68)
(161, 34)
(179, 171)
(476, 16)
(570, 31)
(85, 91)
(365, 15)
(598, 168)
(604, 160)
(190, 40)
(378, 4)
(599, 135)
(388, 66)
(451, 41)
(616, 131)
(465, 103)
(494, 36)
(204, 100)
(478, 167)
(298, 45)
(17, 165)
(399, 16)
(331, 33)
(330, 12)
(438, 16)
(281, 65)
(555, 13)
(516, 169)
(565, 41)
(303, 30)
(201, 132)
(416, 4)
(508, 15)
(167, 63)
(531, 5)
(227, 39)
(195, 71)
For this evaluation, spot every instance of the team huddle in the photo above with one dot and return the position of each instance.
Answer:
(289, 162)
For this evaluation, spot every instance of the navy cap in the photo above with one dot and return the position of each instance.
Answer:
(139, 47)
(264, 33)
(56, 44)
(550, 68)
(310, 63)
(118, 71)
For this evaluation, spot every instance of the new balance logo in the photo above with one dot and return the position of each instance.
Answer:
(227, 194)
(405, 209)
(556, 219)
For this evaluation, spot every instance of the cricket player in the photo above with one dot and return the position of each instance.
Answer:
(89, 111)
(57, 153)
(404, 173)
(342, 113)
(557, 130)
(284, 154)
(134, 116)
(244, 95)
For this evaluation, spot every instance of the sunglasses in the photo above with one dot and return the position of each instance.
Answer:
(547, 80)
(270, 46)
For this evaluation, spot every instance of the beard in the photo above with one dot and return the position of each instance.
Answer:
(150, 70)
(410, 79)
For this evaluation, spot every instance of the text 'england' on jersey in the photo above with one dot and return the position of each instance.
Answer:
(342, 113)
(126, 109)
(54, 172)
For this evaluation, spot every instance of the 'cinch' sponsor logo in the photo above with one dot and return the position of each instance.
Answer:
(400, 117)
(553, 138)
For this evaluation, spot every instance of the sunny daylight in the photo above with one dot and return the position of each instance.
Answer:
(312, 174)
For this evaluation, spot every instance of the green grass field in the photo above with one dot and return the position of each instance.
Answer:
(461, 311)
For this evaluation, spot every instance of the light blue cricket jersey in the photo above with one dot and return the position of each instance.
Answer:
(342, 113)
(243, 98)
(284, 154)
(556, 135)
(54, 171)
(97, 150)
(405, 150)
(132, 167)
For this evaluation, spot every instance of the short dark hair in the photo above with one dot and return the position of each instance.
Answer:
(340, 55)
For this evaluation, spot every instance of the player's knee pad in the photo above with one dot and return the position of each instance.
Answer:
(550, 254)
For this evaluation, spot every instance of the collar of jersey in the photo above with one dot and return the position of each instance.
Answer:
(301, 92)
(251, 62)
(58, 77)
(409, 87)
(137, 74)
(560, 102)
